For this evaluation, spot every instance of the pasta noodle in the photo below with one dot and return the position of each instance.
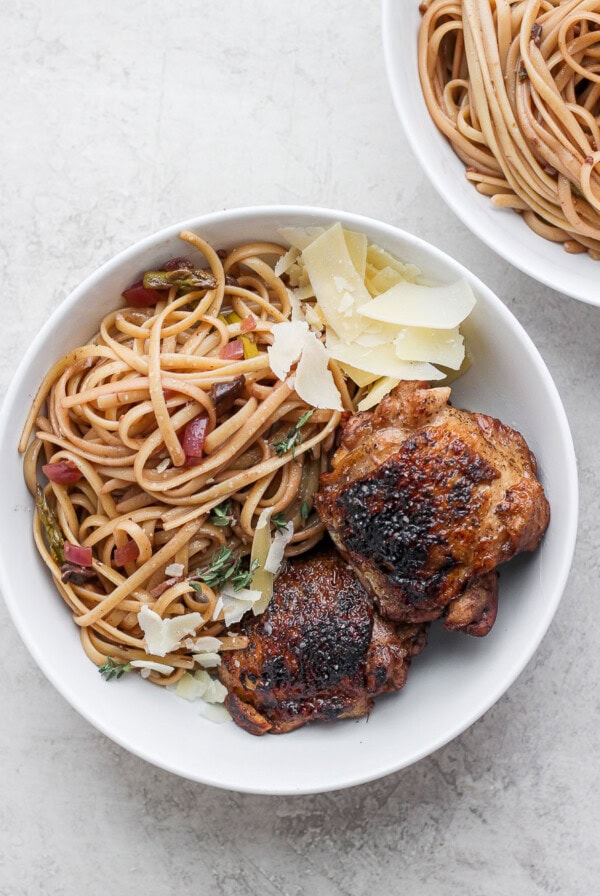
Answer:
(515, 87)
(116, 413)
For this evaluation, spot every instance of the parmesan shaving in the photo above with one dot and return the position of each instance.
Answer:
(381, 388)
(204, 644)
(261, 543)
(164, 635)
(175, 569)
(300, 237)
(215, 712)
(332, 275)
(207, 660)
(236, 603)
(383, 361)
(288, 340)
(148, 666)
(285, 262)
(276, 551)
(314, 381)
(200, 686)
(412, 305)
(436, 346)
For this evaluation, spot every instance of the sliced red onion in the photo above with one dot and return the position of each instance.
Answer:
(193, 439)
(138, 296)
(63, 472)
(127, 553)
(233, 351)
(78, 554)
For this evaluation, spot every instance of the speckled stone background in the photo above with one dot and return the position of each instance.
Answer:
(118, 118)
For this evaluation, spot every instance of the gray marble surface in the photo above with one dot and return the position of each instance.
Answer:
(119, 118)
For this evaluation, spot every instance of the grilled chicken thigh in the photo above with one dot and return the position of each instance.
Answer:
(425, 500)
(319, 651)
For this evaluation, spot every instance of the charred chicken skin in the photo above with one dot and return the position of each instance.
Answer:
(319, 651)
(425, 500)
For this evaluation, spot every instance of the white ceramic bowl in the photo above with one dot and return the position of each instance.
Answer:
(454, 681)
(502, 230)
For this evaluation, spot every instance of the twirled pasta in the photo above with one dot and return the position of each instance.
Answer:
(116, 407)
(515, 87)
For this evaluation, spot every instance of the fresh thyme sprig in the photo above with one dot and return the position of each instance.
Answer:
(220, 515)
(112, 669)
(293, 437)
(225, 567)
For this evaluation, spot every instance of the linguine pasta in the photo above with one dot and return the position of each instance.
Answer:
(112, 414)
(515, 87)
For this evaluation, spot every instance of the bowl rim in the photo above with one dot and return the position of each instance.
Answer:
(486, 232)
(255, 213)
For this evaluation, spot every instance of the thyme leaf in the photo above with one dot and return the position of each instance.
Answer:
(279, 521)
(225, 567)
(220, 515)
(112, 669)
(293, 437)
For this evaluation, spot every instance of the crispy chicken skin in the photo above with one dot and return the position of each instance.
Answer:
(425, 500)
(319, 651)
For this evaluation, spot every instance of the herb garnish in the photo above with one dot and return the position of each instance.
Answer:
(294, 436)
(220, 515)
(225, 567)
(112, 669)
(279, 521)
(305, 510)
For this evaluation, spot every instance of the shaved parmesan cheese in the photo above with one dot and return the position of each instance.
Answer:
(383, 361)
(205, 643)
(280, 540)
(215, 691)
(207, 660)
(436, 346)
(147, 666)
(288, 340)
(357, 244)
(304, 292)
(285, 262)
(380, 260)
(215, 712)
(379, 333)
(314, 320)
(188, 688)
(163, 465)
(381, 388)
(300, 237)
(175, 569)
(218, 608)
(408, 304)
(247, 595)
(333, 276)
(295, 305)
(261, 543)
(314, 381)
(200, 686)
(236, 603)
(164, 635)
(360, 377)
